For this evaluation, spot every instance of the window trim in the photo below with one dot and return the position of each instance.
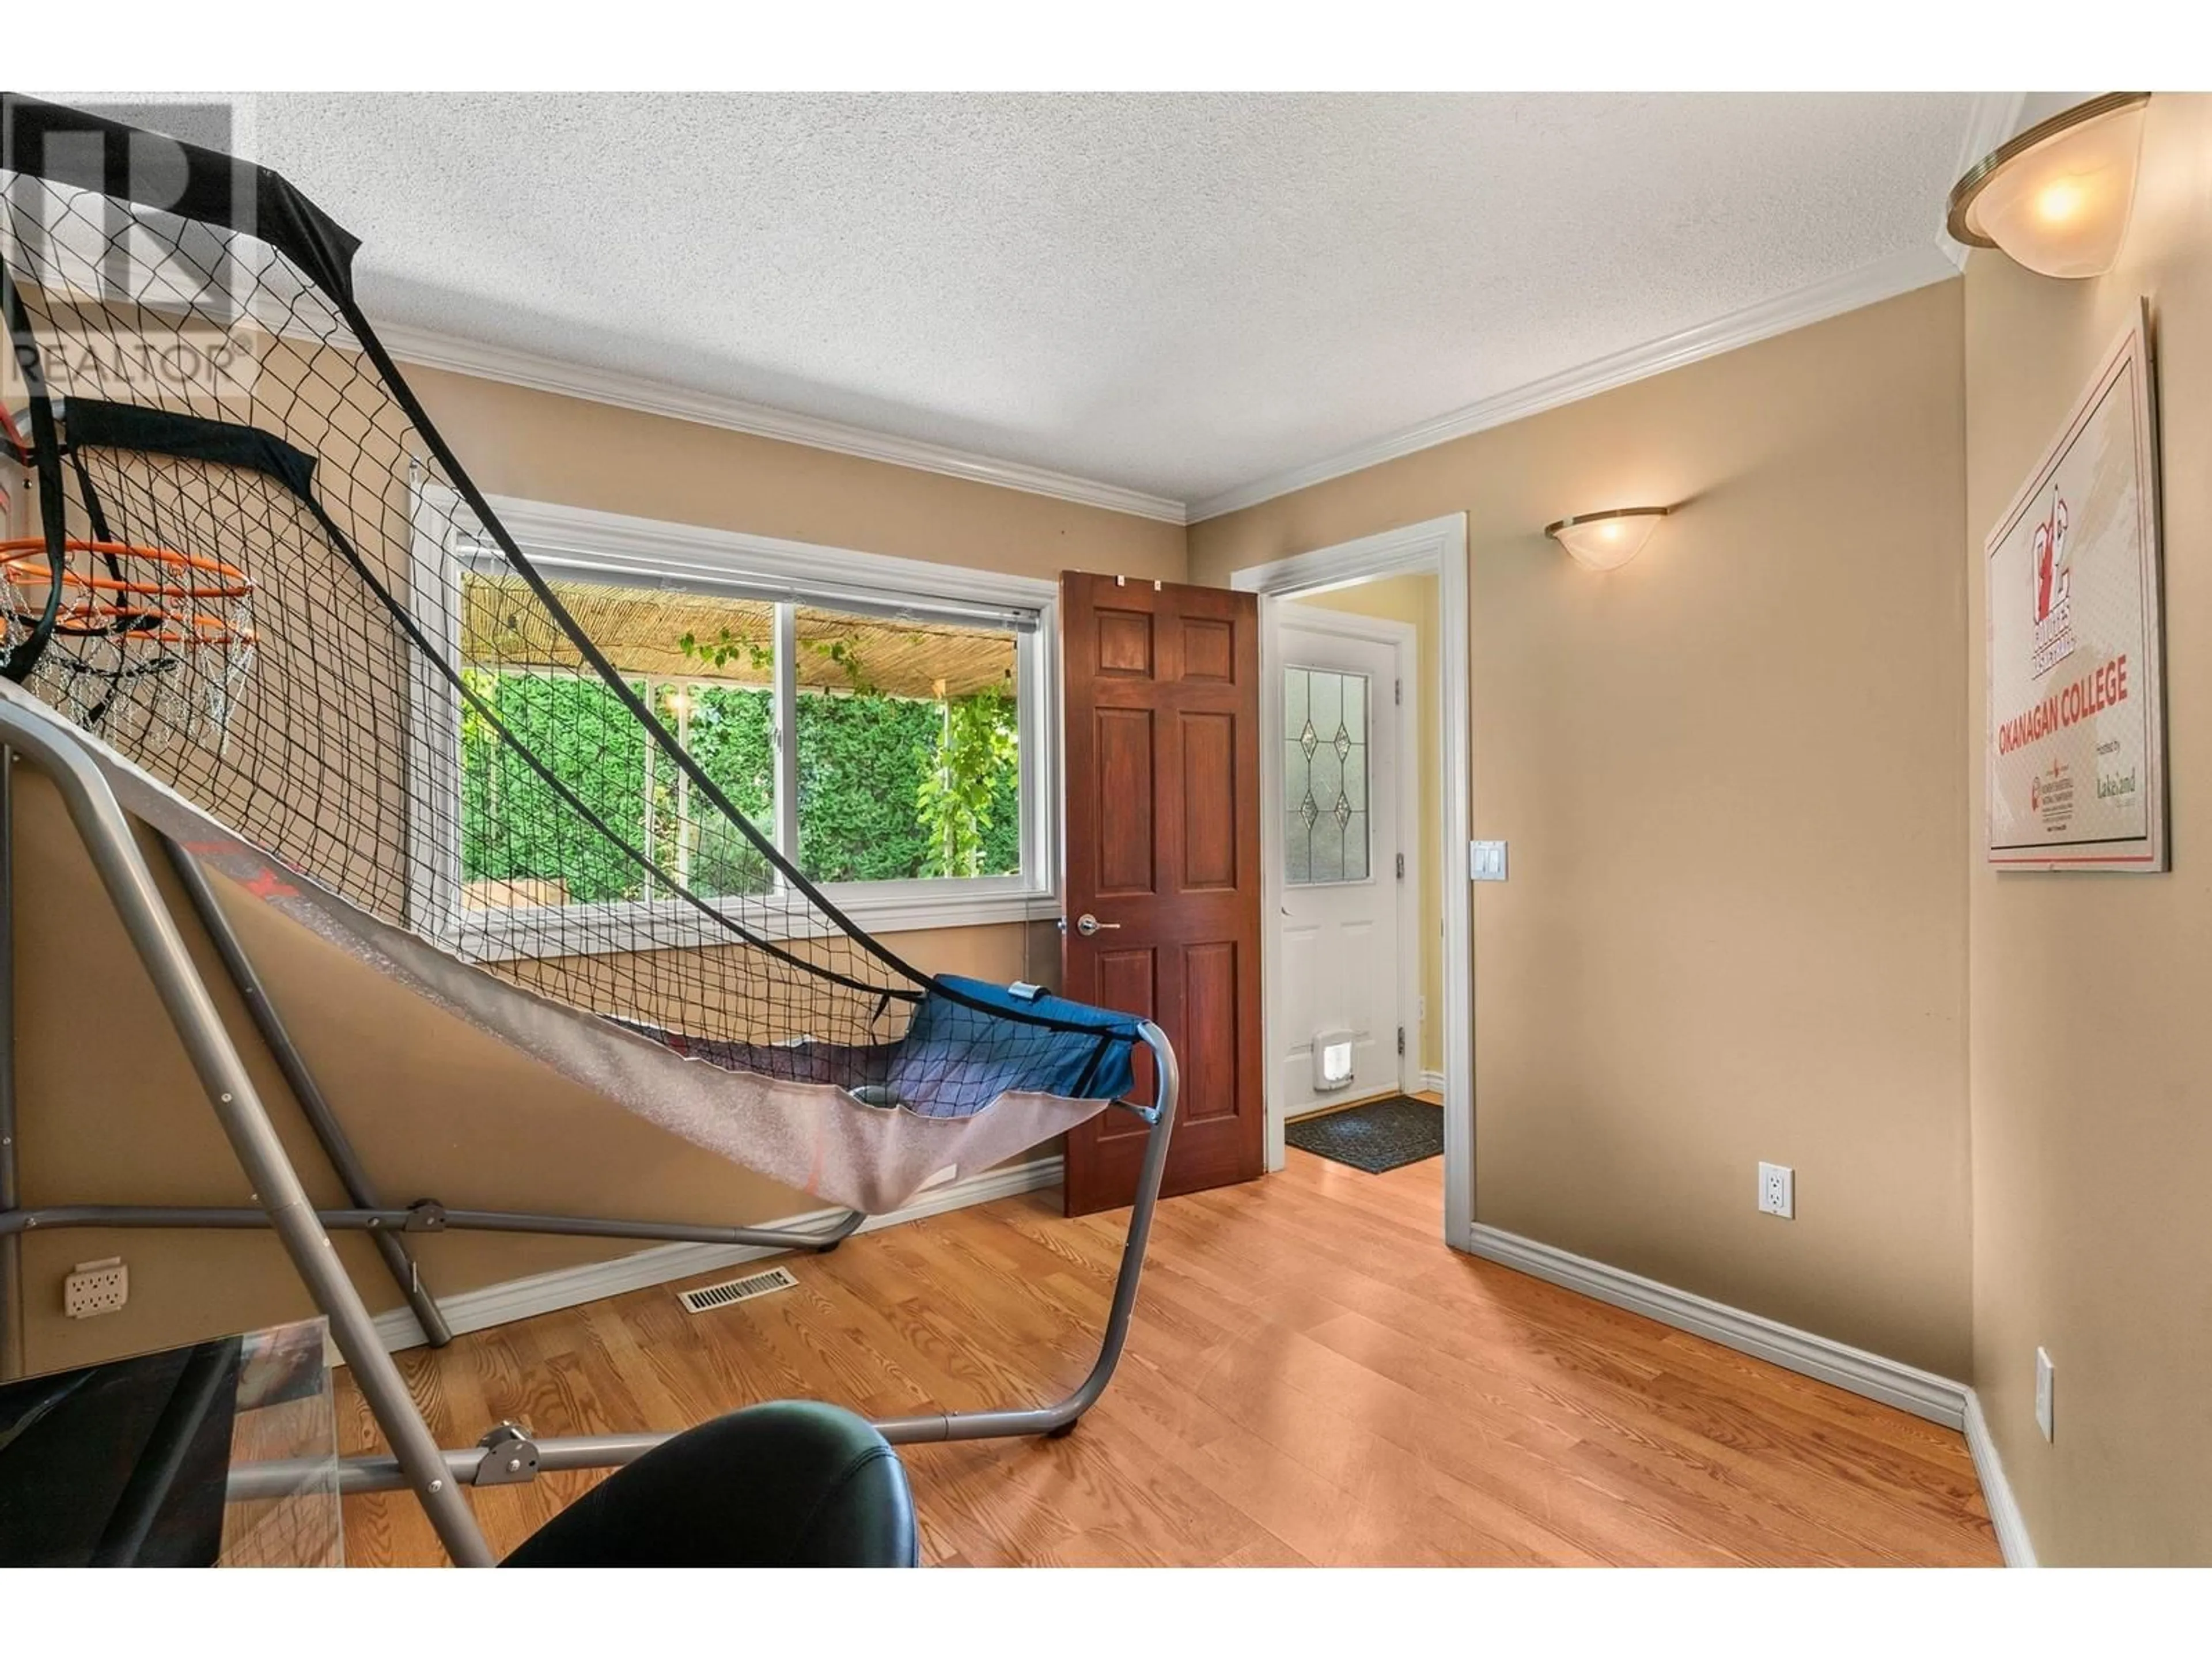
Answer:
(655, 551)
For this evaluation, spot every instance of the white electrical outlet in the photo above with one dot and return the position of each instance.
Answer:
(2042, 1386)
(96, 1287)
(1777, 1190)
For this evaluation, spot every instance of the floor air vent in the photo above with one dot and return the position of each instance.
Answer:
(736, 1289)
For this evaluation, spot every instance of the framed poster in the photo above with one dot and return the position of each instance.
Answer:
(2076, 691)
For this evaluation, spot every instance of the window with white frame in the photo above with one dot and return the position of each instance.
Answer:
(885, 724)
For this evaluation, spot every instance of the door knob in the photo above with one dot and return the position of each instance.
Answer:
(1086, 924)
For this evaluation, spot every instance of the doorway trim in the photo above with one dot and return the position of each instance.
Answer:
(1438, 547)
(1404, 645)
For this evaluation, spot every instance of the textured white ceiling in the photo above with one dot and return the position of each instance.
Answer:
(1174, 293)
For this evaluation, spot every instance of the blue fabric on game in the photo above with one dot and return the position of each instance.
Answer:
(954, 1055)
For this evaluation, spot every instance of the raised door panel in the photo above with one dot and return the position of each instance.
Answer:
(1122, 801)
(1209, 649)
(1210, 795)
(1211, 1021)
(1125, 644)
(1128, 979)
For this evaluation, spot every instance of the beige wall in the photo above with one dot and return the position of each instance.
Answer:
(1736, 928)
(110, 1111)
(532, 444)
(2092, 1073)
(1413, 600)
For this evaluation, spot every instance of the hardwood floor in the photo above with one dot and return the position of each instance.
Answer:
(1312, 1377)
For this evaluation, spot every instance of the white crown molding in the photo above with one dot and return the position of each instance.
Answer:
(1993, 118)
(1886, 278)
(1924, 1393)
(569, 1287)
(539, 373)
(2019, 1550)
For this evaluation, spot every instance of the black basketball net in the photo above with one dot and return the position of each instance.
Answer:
(274, 589)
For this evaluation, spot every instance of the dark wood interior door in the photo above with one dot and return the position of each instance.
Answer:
(1162, 709)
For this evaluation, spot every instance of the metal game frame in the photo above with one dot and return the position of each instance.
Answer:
(507, 1454)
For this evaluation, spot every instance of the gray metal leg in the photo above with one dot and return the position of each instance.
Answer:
(431, 1218)
(108, 838)
(11, 1250)
(314, 1105)
(1049, 1419)
(602, 1451)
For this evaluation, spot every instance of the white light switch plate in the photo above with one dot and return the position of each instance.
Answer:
(2045, 1384)
(1485, 861)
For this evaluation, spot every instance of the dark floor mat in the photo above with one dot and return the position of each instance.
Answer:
(1383, 1134)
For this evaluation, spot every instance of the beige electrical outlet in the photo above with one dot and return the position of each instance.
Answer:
(96, 1287)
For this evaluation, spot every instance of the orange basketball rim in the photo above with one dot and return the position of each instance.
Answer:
(162, 605)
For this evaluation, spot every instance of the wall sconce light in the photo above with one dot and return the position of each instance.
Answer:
(2056, 198)
(1606, 541)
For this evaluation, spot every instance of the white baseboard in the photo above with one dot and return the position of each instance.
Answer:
(1996, 1491)
(1924, 1393)
(1432, 1082)
(1909, 1388)
(568, 1287)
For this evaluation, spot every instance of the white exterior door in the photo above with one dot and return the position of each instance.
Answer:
(1341, 961)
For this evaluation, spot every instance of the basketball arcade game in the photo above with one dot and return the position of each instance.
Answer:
(228, 623)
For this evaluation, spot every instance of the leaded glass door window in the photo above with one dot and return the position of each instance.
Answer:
(1325, 836)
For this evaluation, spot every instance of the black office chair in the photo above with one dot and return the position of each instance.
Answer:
(793, 1484)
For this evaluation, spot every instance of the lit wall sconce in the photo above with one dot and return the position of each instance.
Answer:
(1606, 541)
(2056, 198)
